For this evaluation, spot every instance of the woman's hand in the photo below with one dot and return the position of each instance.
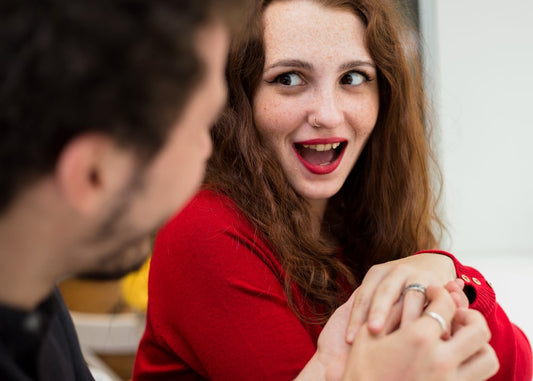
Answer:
(377, 300)
(417, 352)
(333, 353)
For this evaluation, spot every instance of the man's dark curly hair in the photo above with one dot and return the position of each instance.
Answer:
(121, 67)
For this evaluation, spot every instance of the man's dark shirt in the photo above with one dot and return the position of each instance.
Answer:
(41, 344)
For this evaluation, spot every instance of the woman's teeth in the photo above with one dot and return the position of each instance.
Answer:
(322, 147)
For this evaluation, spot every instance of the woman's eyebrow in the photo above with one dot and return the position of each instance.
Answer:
(354, 64)
(291, 63)
(308, 66)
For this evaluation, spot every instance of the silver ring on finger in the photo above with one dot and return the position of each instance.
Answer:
(414, 287)
(439, 319)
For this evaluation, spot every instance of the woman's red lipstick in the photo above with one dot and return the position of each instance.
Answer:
(320, 156)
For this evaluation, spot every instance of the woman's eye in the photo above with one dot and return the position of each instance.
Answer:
(353, 78)
(289, 79)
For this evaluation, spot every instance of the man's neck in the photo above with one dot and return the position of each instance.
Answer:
(30, 253)
(25, 279)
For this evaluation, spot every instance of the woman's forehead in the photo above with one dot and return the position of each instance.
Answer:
(305, 29)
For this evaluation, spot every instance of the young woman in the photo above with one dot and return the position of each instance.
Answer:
(321, 170)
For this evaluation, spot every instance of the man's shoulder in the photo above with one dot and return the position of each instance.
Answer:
(54, 344)
(8, 368)
(61, 347)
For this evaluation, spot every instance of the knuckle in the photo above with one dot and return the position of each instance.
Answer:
(360, 300)
(374, 270)
(360, 312)
(402, 268)
(442, 365)
(385, 288)
(419, 338)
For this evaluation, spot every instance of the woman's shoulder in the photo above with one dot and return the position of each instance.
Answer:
(211, 232)
(208, 210)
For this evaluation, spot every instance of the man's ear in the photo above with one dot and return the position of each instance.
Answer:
(91, 170)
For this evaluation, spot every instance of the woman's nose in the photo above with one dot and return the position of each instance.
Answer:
(327, 111)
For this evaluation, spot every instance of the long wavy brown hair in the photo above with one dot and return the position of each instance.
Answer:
(385, 210)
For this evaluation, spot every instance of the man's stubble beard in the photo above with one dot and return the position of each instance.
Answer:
(128, 248)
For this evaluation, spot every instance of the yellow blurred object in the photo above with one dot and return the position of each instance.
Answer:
(91, 296)
(134, 287)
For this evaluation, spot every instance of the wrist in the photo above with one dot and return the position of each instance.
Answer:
(448, 262)
(314, 370)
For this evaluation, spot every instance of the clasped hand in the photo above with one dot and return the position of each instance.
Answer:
(383, 333)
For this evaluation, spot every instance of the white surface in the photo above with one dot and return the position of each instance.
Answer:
(109, 333)
(483, 57)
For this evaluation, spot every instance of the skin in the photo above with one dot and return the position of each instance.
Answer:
(458, 358)
(99, 186)
(382, 287)
(326, 73)
(414, 352)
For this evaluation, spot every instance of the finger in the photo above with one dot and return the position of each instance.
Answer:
(440, 303)
(460, 283)
(393, 321)
(481, 366)
(413, 306)
(362, 299)
(455, 285)
(460, 299)
(455, 289)
(471, 318)
(452, 286)
(456, 324)
(358, 313)
(472, 335)
(386, 294)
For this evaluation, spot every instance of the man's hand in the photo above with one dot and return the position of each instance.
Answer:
(332, 350)
(417, 352)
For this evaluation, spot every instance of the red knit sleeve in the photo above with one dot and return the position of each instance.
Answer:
(216, 308)
(509, 342)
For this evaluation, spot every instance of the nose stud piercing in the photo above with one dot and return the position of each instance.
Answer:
(315, 124)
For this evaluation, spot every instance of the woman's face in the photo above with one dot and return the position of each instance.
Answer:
(316, 66)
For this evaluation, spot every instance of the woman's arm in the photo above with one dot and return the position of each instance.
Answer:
(383, 286)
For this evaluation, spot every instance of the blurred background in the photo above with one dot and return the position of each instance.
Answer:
(479, 61)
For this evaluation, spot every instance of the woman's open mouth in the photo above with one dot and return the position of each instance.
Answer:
(319, 156)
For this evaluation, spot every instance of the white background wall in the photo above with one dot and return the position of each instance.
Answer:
(480, 61)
